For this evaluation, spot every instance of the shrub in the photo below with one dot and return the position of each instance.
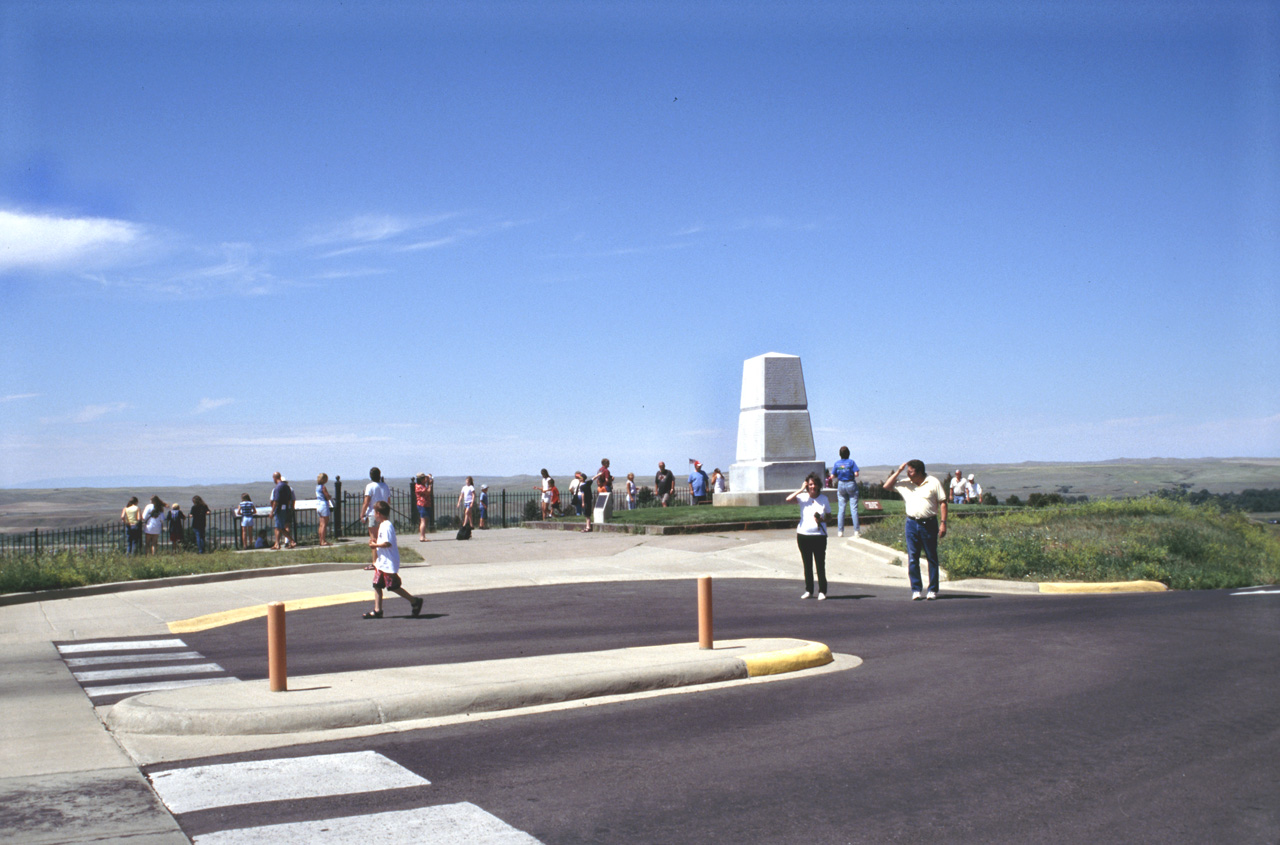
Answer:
(532, 511)
(1155, 538)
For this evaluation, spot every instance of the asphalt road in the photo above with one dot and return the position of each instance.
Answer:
(1131, 718)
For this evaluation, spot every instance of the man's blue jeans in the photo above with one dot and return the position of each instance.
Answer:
(847, 492)
(922, 534)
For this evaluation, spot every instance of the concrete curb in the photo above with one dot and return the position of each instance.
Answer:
(173, 581)
(1103, 587)
(356, 699)
(808, 656)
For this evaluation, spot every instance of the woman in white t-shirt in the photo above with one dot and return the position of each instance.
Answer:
(152, 525)
(811, 533)
(466, 499)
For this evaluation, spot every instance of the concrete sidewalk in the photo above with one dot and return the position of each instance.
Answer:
(66, 779)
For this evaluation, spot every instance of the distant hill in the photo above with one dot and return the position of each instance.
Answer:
(22, 509)
(63, 507)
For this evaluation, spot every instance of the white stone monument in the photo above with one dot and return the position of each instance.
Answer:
(775, 437)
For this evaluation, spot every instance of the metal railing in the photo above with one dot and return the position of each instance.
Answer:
(506, 508)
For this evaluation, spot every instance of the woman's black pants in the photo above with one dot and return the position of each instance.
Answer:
(813, 549)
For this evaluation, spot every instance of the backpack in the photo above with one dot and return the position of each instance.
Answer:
(286, 495)
(464, 533)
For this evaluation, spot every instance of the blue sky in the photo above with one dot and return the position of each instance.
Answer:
(491, 237)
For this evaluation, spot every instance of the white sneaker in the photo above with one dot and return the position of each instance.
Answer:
(857, 535)
(822, 596)
(806, 594)
(839, 533)
(915, 596)
(930, 596)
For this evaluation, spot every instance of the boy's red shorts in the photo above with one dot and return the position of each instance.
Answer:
(386, 580)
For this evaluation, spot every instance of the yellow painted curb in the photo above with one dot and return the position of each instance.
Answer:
(776, 662)
(1108, 587)
(230, 617)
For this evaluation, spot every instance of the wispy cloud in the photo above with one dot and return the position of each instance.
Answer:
(89, 413)
(234, 269)
(353, 273)
(46, 242)
(14, 397)
(763, 222)
(207, 405)
(370, 233)
(362, 232)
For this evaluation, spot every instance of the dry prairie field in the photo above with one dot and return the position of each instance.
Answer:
(25, 509)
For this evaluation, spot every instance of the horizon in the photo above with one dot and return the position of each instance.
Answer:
(236, 238)
(169, 482)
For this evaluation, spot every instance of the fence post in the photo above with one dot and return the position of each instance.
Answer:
(35, 538)
(504, 507)
(337, 505)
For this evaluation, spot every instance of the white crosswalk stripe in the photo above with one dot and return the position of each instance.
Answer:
(154, 686)
(147, 672)
(445, 824)
(77, 662)
(138, 666)
(265, 785)
(227, 784)
(124, 645)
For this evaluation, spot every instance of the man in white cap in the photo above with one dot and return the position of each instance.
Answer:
(957, 489)
(975, 490)
(697, 482)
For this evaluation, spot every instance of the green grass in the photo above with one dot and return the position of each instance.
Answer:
(58, 570)
(1183, 546)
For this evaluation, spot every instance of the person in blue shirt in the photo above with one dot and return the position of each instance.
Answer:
(846, 475)
(698, 483)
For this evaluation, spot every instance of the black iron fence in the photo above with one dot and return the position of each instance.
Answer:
(504, 509)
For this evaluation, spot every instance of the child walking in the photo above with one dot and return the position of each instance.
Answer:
(387, 565)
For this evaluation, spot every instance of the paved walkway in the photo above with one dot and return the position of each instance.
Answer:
(66, 779)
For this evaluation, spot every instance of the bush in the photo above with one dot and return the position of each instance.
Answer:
(1181, 545)
(644, 497)
(532, 511)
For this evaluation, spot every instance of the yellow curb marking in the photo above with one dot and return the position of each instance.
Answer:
(230, 617)
(1109, 587)
(776, 662)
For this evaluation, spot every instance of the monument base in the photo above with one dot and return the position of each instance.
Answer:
(763, 497)
(769, 476)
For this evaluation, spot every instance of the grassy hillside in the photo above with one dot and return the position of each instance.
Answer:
(1184, 546)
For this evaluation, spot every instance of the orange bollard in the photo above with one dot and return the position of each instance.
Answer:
(277, 673)
(704, 612)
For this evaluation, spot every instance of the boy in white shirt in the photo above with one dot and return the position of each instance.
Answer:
(386, 565)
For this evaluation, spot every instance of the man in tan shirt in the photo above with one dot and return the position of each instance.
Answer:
(925, 499)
